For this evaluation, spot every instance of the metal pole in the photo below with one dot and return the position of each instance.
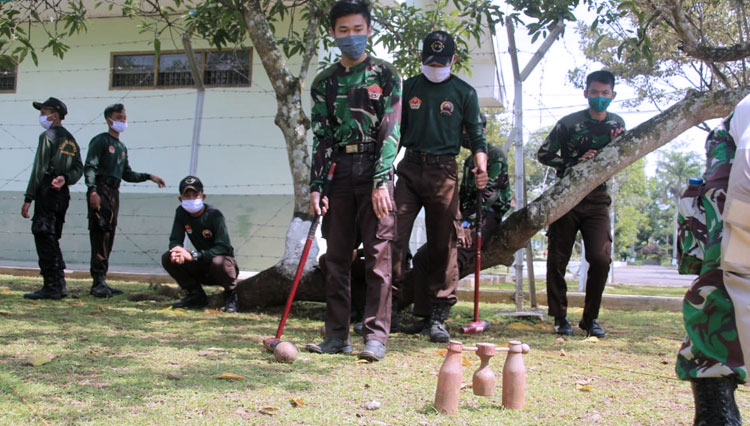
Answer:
(201, 90)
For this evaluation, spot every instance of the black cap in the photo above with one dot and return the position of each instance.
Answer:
(191, 182)
(438, 47)
(53, 103)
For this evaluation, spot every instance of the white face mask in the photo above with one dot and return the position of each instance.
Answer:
(45, 122)
(436, 74)
(192, 206)
(119, 126)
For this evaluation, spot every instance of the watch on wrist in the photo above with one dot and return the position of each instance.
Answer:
(194, 254)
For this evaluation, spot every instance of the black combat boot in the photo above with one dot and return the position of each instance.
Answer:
(49, 290)
(195, 299)
(99, 288)
(591, 327)
(714, 402)
(61, 284)
(231, 301)
(438, 331)
(562, 326)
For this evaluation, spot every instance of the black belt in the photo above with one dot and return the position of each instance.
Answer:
(355, 148)
(109, 181)
(425, 158)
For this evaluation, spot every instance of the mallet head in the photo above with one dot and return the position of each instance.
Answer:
(476, 327)
(270, 343)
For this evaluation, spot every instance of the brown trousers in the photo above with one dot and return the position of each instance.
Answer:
(103, 224)
(418, 291)
(591, 217)
(221, 271)
(431, 183)
(350, 211)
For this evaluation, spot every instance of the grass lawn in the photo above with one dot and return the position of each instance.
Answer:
(642, 290)
(133, 362)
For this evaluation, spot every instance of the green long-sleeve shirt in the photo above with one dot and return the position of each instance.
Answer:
(108, 156)
(360, 104)
(573, 136)
(434, 115)
(208, 233)
(57, 154)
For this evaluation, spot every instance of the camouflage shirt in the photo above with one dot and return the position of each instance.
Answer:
(360, 104)
(495, 196)
(57, 154)
(573, 136)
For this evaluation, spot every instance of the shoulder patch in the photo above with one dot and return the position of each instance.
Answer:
(69, 148)
(188, 229)
(207, 233)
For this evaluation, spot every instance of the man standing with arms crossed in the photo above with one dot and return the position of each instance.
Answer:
(107, 165)
(578, 137)
(355, 121)
(57, 165)
(440, 106)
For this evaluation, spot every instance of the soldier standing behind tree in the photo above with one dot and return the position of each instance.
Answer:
(57, 165)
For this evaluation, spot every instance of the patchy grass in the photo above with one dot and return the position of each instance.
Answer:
(640, 290)
(125, 362)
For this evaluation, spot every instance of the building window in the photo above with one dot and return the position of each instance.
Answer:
(172, 69)
(8, 78)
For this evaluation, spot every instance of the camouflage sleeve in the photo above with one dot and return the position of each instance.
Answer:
(499, 185)
(322, 136)
(547, 153)
(389, 132)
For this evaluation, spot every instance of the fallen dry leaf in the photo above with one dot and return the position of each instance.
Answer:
(592, 339)
(562, 352)
(167, 309)
(212, 311)
(297, 402)
(230, 376)
(179, 311)
(441, 352)
(504, 345)
(5, 290)
(458, 316)
(578, 311)
(269, 411)
(467, 385)
(543, 326)
(77, 304)
(519, 326)
(465, 361)
(361, 361)
(584, 388)
(40, 360)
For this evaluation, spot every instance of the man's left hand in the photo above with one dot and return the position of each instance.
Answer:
(157, 180)
(480, 177)
(616, 132)
(58, 182)
(179, 255)
(381, 202)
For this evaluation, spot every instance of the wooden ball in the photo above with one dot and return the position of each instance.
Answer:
(285, 352)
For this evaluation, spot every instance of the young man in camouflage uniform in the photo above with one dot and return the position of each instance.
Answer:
(578, 137)
(495, 203)
(106, 166)
(711, 356)
(57, 165)
(355, 120)
(441, 105)
(212, 262)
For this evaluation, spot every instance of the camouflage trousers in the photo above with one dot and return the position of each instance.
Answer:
(711, 347)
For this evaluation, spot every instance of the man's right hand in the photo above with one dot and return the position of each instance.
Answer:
(25, 210)
(94, 201)
(465, 237)
(315, 204)
(587, 155)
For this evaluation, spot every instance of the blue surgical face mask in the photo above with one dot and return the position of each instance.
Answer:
(193, 206)
(45, 122)
(599, 103)
(119, 126)
(352, 46)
